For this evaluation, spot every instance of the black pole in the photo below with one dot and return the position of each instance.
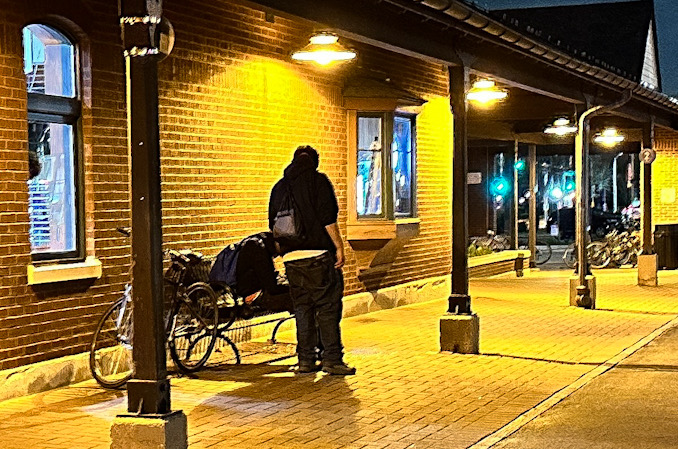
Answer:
(514, 197)
(648, 142)
(459, 300)
(149, 390)
(533, 204)
(582, 203)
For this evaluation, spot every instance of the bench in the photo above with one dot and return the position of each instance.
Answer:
(233, 311)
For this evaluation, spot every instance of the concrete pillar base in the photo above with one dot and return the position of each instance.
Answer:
(460, 333)
(591, 284)
(157, 432)
(647, 270)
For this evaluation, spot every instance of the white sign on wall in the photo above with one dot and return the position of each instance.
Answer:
(474, 177)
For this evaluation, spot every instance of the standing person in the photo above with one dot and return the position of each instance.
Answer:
(313, 266)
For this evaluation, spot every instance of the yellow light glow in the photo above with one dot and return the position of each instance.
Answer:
(324, 39)
(484, 92)
(323, 49)
(483, 84)
(561, 127)
(609, 137)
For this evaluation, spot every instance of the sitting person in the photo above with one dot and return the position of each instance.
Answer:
(247, 268)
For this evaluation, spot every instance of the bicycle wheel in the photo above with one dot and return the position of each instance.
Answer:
(570, 256)
(542, 253)
(500, 243)
(110, 356)
(227, 307)
(621, 253)
(194, 327)
(598, 254)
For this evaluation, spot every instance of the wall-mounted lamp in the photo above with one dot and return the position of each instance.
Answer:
(484, 92)
(561, 127)
(609, 137)
(323, 49)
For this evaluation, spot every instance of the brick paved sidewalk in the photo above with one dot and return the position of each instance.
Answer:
(406, 393)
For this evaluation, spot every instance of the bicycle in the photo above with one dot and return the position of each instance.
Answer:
(191, 324)
(542, 251)
(492, 241)
(597, 253)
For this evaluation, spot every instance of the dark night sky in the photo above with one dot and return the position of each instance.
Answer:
(666, 12)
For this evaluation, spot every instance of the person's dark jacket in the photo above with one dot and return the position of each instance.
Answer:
(315, 199)
(255, 270)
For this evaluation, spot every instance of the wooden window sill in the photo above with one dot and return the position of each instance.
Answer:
(382, 229)
(43, 274)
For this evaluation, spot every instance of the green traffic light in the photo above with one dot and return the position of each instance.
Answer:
(499, 186)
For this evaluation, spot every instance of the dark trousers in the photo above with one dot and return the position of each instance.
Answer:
(317, 289)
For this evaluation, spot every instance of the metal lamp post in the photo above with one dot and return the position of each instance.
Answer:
(581, 295)
(150, 417)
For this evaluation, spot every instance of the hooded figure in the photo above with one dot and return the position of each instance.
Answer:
(314, 196)
(313, 264)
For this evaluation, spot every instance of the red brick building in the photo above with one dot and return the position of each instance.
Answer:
(233, 107)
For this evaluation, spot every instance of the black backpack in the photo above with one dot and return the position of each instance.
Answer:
(288, 226)
(224, 268)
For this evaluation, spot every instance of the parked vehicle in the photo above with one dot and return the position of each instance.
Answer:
(601, 223)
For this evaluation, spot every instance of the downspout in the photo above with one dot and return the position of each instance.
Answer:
(581, 160)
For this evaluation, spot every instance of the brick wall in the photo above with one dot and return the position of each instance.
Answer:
(232, 110)
(42, 322)
(251, 107)
(665, 178)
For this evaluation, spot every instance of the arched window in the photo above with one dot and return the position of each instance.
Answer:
(52, 80)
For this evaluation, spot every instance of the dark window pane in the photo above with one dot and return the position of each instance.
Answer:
(401, 162)
(368, 181)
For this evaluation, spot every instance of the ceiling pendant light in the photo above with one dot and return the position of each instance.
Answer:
(324, 49)
(561, 127)
(484, 92)
(609, 137)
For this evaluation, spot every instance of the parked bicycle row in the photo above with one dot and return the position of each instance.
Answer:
(492, 242)
(198, 311)
(615, 250)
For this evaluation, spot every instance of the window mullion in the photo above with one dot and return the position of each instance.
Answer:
(54, 106)
(387, 174)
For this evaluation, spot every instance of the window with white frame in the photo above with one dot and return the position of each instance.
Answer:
(385, 165)
(51, 70)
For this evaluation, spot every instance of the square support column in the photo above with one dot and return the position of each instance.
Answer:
(159, 432)
(460, 333)
(459, 326)
(647, 262)
(575, 288)
(647, 270)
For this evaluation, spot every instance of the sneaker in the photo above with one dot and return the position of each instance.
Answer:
(340, 369)
(308, 367)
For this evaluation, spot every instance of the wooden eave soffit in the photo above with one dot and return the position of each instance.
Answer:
(369, 94)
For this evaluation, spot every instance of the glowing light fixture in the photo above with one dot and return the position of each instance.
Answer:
(609, 137)
(561, 127)
(519, 165)
(484, 92)
(557, 193)
(324, 49)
